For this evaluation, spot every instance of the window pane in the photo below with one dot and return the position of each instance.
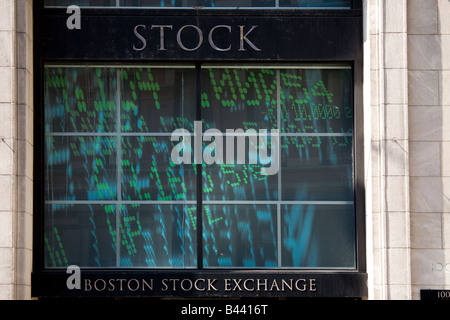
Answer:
(157, 99)
(158, 236)
(149, 174)
(81, 168)
(80, 99)
(316, 100)
(238, 182)
(83, 235)
(108, 151)
(317, 169)
(239, 98)
(240, 236)
(318, 236)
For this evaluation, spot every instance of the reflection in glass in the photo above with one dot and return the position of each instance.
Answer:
(80, 99)
(110, 178)
(149, 235)
(157, 99)
(238, 182)
(158, 236)
(239, 236)
(149, 174)
(104, 149)
(317, 168)
(239, 98)
(83, 235)
(316, 100)
(318, 236)
(80, 168)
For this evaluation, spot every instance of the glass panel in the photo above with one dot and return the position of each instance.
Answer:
(240, 236)
(149, 174)
(84, 235)
(316, 100)
(80, 99)
(318, 236)
(80, 168)
(157, 99)
(317, 169)
(158, 236)
(239, 181)
(108, 151)
(110, 162)
(234, 98)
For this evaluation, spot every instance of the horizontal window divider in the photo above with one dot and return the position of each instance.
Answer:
(240, 202)
(108, 202)
(169, 134)
(316, 134)
(82, 134)
(110, 134)
(280, 66)
(193, 202)
(174, 65)
(194, 8)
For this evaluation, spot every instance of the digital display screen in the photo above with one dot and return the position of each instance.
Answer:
(115, 195)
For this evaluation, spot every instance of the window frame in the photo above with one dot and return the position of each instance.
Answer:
(353, 5)
(200, 200)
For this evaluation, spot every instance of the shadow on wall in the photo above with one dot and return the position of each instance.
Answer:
(429, 187)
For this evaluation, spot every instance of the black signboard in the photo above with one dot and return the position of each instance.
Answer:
(210, 35)
(226, 283)
(435, 295)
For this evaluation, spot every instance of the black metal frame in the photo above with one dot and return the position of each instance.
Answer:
(54, 44)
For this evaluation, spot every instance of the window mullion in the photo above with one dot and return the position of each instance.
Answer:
(279, 167)
(118, 166)
(198, 94)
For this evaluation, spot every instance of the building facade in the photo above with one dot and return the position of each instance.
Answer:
(105, 107)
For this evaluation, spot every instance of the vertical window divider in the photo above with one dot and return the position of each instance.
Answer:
(119, 165)
(198, 116)
(279, 166)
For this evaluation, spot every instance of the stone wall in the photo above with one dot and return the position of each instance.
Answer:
(16, 148)
(429, 130)
(407, 100)
(387, 149)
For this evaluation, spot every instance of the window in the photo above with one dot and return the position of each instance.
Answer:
(115, 197)
(204, 3)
